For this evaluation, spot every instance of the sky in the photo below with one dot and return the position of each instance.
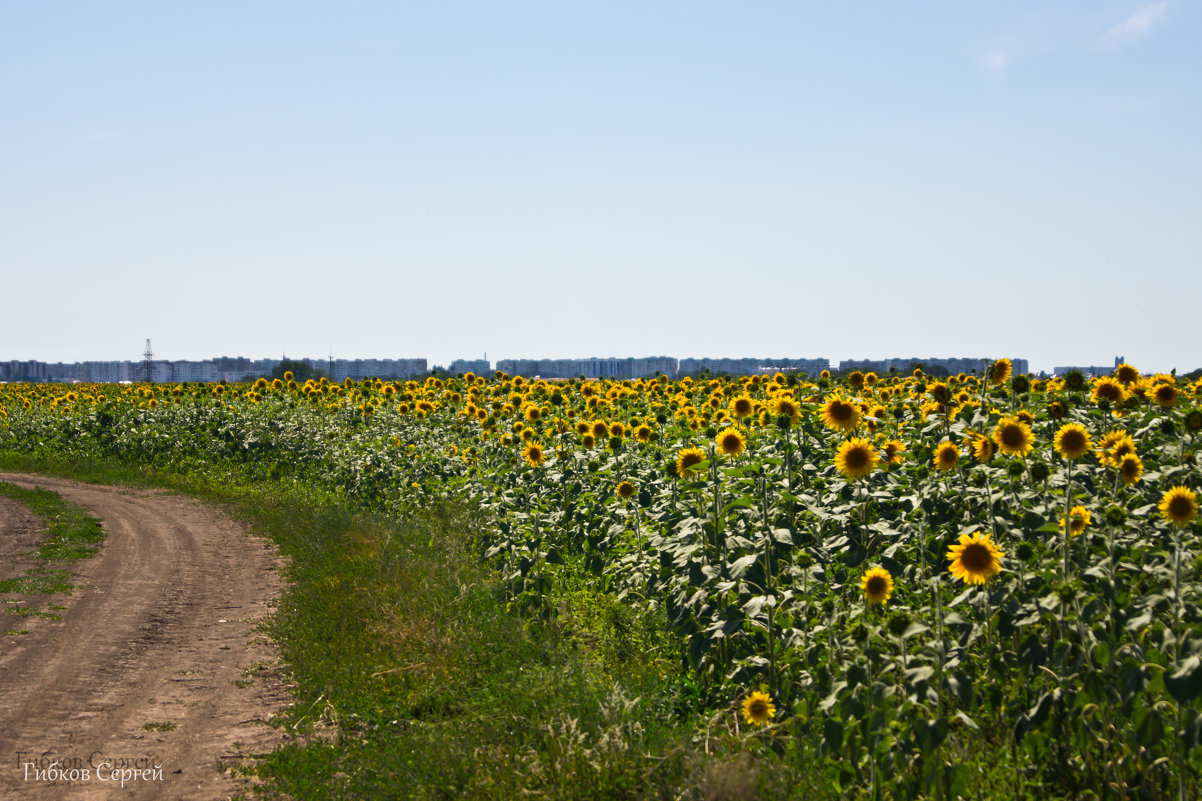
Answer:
(573, 179)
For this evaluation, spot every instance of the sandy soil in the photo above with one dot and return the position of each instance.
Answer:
(157, 673)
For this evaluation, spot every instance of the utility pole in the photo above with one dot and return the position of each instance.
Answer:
(148, 364)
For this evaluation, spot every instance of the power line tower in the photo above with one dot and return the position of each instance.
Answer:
(147, 370)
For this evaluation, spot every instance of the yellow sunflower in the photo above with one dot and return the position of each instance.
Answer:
(742, 406)
(1013, 436)
(974, 558)
(1164, 395)
(982, 449)
(1130, 468)
(999, 371)
(893, 451)
(840, 415)
(783, 405)
(877, 585)
(730, 442)
(758, 709)
(534, 454)
(1079, 520)
(1072, 441)
(1107, 389)
(947, 455)
(625, 489)
(1179, 506)
(588, 441)
(687, 461)
(1126, 374)
(856, 458)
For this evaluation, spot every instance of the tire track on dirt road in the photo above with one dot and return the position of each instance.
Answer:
(156, 666)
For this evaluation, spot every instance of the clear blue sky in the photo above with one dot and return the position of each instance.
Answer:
(559, 179)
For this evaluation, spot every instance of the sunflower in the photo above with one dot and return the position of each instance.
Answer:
(999, 371)
(582, 427)
(758, 708)
(1130, 468)
(1107, 389)
(588, 441)
(946, 455)
(1072, 441)
(643, 433)
(784, 406)
(1013, 436)
(1126, 374)
(1193, 420)
(1078, 520)
(877, 585)
(840, 414)
(1165, 395)
(534, 454)
(893, 451)
(600, 429)
(856, 458)
(974, 558)
(982, 449)
(1179, 506)
(742, 406)
(625, 489)
(730, 442)
(687, 461)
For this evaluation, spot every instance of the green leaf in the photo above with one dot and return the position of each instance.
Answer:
(832, 733)
(1185, 683)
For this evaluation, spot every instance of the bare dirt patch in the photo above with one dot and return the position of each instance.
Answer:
(157, 665)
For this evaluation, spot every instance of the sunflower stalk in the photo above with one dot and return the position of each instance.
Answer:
(769, 589)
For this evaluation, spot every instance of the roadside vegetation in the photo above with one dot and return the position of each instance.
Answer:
(773, 587)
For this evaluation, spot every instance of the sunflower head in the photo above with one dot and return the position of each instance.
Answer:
(1072, 441)
(1078, 520)
(687, 461)
(1164, 395)
(840, 415)
(856, 458)
(999, 371)
(982, 449)
(1179, 506)
(758, 709)
(1126, 374)
(893, 451)
(742, 406)
(1107, 389)
(730, 442)
(877, 585)
(947, 455)
(1013, 436)
(625, 489)
(974, 558)
(1130, 468)
(534, 454)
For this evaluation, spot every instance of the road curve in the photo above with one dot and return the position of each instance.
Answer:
(157, 675)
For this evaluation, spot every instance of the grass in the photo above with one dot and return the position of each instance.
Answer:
(71, 534)
(414, 680)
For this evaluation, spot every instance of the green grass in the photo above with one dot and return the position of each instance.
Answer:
(71, 533)
(413, 679)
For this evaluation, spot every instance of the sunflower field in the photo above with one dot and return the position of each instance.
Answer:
(901, 575)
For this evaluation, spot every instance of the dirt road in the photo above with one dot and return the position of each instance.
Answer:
(156, 676)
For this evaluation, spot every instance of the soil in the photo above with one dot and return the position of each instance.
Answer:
(156, 670)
